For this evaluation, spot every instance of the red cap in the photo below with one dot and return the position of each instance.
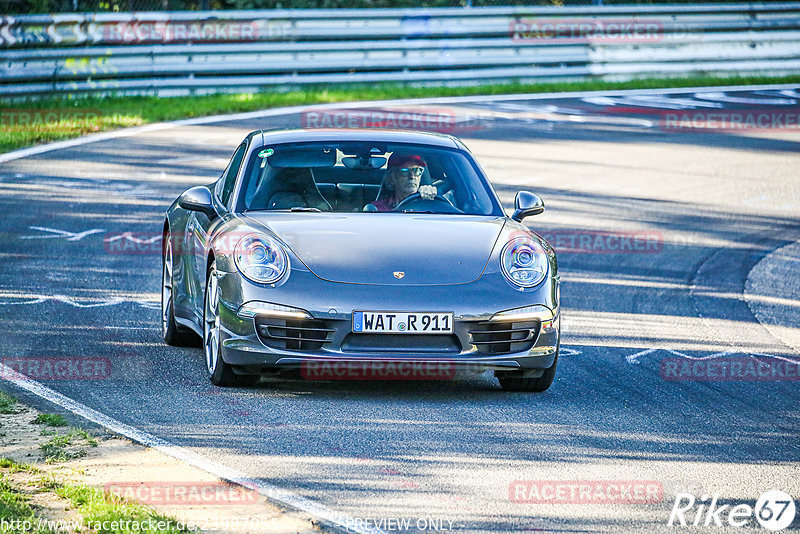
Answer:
(400, 160)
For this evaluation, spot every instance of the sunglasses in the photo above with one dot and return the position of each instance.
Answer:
(416, 171)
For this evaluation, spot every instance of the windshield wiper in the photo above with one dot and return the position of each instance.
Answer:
(298, 208)
(419, 211)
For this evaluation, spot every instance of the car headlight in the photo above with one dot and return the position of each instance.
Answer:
(260, 258)
(524, 262)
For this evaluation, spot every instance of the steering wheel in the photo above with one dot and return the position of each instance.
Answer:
(417, 202)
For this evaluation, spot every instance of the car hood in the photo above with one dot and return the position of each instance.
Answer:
(374, 248)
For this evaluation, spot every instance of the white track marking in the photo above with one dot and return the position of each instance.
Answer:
(651, 101)
(549, 113)
(699, 358)
(539, 108)
(634, 358)
(676, 353)
(77, 304)
(15, 303)
(71, 302)
(788, 93)
(564, 351)
(130, 237)
(131, 328)
(127, 132)
(790, 360)
(55, 233)
(190, 457)
(718, 96)
(706, 357)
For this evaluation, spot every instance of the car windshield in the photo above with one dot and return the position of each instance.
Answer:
(365, 177)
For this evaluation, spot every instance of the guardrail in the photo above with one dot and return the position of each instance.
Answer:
(199, 52)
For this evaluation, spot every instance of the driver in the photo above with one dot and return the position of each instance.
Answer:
(403, 174)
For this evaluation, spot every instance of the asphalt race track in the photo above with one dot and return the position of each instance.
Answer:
(674, 234)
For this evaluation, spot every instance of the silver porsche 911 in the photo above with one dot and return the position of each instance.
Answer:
(361, 254)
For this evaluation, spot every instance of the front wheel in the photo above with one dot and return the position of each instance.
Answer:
(530, 385)
(220, 373)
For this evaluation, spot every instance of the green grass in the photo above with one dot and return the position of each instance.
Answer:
(14, 508)
(50, 419)
(101, 509)
(8, 404)
(55, 449)
(117, 112)
(102, 512)
(13, 466)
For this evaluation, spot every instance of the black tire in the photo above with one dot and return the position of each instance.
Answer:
(221, 374)
(530, 385)
(171, 331)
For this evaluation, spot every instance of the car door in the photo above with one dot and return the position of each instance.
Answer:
(200, 228)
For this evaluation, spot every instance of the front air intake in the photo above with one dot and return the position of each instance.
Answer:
(293, 334)
(490, 337)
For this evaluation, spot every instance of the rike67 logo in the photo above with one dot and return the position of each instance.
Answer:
(774, 510)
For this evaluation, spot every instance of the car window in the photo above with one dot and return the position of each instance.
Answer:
(343, 177)
(228, 179)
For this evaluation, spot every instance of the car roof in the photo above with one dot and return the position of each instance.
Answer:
(352, 134)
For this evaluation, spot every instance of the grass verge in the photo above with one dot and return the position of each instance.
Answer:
(61, 448)
(100, 512)
(8, 404)
(102, 114)
(50, 419)
(16, 511)
(105, 512)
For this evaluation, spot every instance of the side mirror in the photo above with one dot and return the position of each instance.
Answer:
(527, 204)
(198, 199)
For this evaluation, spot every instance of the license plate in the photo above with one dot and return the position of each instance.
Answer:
(375, 322)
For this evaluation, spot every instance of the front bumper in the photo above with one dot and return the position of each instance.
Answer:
(266, 342)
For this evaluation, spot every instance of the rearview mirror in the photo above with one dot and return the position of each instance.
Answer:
(198, 199)
(527, 204)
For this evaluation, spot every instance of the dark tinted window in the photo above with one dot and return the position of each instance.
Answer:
(354, 177)
(228, 179)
